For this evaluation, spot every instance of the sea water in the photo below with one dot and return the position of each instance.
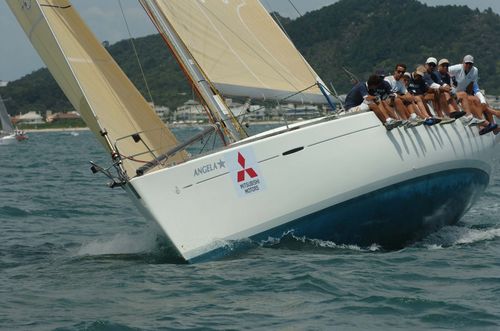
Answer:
(76, 255)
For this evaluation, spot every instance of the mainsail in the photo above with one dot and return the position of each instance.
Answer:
(241, 49)
(94, 84)
(7, 126)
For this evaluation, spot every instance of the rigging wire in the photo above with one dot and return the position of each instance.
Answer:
(135, 52)
(291, 3)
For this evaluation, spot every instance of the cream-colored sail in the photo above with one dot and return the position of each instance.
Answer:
(93, 82)
(241, 48)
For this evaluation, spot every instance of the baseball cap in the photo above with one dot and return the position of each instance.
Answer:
(468, 59)
(443, 61)
(420, 70)
(432, 60)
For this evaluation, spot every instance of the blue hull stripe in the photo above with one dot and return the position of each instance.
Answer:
(391, 217)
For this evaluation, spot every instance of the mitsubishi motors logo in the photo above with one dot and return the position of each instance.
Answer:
(249, 171)
(245, 172)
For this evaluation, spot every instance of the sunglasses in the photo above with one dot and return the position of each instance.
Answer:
(400, 71)
(431, 64)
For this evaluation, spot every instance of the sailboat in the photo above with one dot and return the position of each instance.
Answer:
(344, 179)
(8, 133)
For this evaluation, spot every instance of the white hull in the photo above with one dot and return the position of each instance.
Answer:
(302, 173)
(7, 140)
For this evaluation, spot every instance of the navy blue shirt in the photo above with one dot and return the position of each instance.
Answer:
(356, 95)
(383, 90)
(445, 78)
(433, 77)
(417, 87)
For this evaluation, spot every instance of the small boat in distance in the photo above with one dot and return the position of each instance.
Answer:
(9, 134)
(344, 179)
(21, 135)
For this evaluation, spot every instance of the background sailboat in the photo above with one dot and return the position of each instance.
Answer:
(8, 134)
(344, 179)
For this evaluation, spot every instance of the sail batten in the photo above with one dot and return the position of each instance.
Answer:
(242, 50)
(93, 82)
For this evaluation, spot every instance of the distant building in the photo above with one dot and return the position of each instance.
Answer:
(162, 112)
(299, 112)
(193, 112)
(247, 112)
(3, 83)
(190, 112)
(29, 118)
(72, 115)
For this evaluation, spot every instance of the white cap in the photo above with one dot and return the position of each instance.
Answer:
(432, 60)
(468, 59)
(443, 61)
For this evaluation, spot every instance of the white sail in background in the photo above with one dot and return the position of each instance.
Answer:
(7, 126)
(241, 49)
(93, 82)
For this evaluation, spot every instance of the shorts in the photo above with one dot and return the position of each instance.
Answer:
(360, 108)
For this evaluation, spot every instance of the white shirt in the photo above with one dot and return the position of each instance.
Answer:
(463, 80)
(396, 85)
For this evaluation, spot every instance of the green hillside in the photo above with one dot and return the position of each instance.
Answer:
(367, 35)
(362, 35)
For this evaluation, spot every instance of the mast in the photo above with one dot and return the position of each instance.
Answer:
(216, 106)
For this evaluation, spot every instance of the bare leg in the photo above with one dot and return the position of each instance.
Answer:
(477, 107)
(388, 109)
(444, 102)
(422, 105)
(493, 111)
(464, 99)
(402, 109)
(379, 111)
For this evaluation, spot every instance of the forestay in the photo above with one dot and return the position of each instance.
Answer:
(241, 49)
(93, 82)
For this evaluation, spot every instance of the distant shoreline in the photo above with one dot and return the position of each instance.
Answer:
(56, 130)
(177, 125)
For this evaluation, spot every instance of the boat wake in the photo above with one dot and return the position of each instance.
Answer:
(147, 246)
(119, 244)
(451, 236)
(448, 236)
(290, 241)
(150, 247)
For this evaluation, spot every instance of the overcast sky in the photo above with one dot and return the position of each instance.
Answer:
(17, 57)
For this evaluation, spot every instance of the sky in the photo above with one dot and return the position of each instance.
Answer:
(18, 58)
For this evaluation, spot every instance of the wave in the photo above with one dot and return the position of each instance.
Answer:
(451, 236)
(290, 241)
(100, 325)
(153, 248)
(120, 244)
(13, 212)
(149, 247)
